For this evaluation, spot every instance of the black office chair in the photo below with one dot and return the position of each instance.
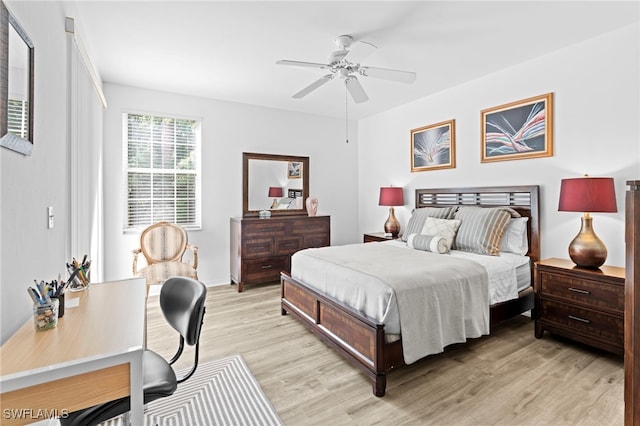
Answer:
(182, 302)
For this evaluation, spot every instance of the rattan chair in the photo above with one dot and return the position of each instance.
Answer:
(163, 245)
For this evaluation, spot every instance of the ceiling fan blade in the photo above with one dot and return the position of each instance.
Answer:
(387, 74)
(355, 89)
(303, 64)
(360, 51)
(313, 86)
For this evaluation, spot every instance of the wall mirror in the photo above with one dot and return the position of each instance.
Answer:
(16, 84)
(277, 183)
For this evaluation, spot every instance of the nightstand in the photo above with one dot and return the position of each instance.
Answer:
(586, 305)
(371, 237)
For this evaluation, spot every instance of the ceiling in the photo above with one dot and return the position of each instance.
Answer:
(228, 50)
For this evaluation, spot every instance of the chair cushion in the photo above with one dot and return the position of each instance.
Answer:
(159, 378)
(159, 272)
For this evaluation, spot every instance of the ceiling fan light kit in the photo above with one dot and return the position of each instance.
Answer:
(339, 66)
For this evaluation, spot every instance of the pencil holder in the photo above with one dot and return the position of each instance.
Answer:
(45, 316)
(60, 299)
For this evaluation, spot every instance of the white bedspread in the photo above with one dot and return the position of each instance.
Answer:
(433, 300)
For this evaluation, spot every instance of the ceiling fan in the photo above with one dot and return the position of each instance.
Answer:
(349, 69)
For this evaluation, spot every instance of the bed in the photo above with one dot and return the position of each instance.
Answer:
(361, 338)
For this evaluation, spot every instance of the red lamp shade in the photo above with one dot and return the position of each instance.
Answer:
(588, 194)
(391, 196)
(275, 191)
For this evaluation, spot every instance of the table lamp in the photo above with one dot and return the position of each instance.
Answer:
(391, 196)
(275, 192)
(587, 195)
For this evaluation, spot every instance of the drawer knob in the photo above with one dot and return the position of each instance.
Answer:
(577, 290)
(266, 266)
(586, 321)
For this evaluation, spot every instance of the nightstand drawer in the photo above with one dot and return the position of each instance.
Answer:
(592, 323)
(592, 293)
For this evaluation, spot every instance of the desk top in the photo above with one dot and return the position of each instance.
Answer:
(110, 319)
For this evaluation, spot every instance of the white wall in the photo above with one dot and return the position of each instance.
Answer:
(228, 129)
(28, 250)
(597, 105)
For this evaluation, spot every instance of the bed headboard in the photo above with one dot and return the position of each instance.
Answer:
(523, 199)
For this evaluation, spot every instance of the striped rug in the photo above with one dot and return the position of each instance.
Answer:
(221, 393)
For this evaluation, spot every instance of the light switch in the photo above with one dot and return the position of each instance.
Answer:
(50, 216)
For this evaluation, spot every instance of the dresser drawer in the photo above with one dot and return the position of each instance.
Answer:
(595, 324)
(264, 270)
(264, 227)
(593, 293)
(310, 226)
(287, 246)
(259, 247)
(316, 240)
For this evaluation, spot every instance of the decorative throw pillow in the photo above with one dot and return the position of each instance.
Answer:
(416, 221)
(515, 238)
(432, 243)
(481, 229)
(445, 228)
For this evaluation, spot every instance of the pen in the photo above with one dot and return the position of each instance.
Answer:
(32, 296)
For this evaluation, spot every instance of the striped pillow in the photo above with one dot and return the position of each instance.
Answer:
(481, 229)
(416, 221)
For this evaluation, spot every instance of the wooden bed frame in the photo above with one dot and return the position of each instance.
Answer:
(361, 339)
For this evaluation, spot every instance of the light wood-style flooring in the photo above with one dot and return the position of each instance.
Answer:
(507, 378)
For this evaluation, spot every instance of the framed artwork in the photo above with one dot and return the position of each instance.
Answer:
(294, 170)
(294, 193)
(518, 130)
(433, 147)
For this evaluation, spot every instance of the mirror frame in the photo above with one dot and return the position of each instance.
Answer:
(246, 156)
(15, 143)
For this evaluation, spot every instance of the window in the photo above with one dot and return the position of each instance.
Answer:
(162, 170)
(18, 118)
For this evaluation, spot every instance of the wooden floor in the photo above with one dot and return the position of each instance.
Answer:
(508, 378)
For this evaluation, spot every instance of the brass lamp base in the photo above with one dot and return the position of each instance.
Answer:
(587, 250)
(392, 226)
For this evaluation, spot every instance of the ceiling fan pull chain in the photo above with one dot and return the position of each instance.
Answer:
(346, 114)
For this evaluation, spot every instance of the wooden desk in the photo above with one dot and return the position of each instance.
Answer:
(94, 355)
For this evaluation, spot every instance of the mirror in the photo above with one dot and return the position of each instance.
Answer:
(277, 183)
(16, 85)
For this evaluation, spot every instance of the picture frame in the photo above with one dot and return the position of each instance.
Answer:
(294, 193)
(17, 86)
(518, 130)
(294, 170)
(433, 147)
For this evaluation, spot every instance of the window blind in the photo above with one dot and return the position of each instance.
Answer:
(18, 118)
(162, 158)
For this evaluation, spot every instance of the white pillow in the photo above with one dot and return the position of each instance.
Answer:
(445, 228)
(514, 239)
(435, 244)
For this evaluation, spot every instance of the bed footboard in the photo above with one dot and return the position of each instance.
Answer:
(358, 338)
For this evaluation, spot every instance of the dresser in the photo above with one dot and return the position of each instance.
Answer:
(262, 248)
(586, 305)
